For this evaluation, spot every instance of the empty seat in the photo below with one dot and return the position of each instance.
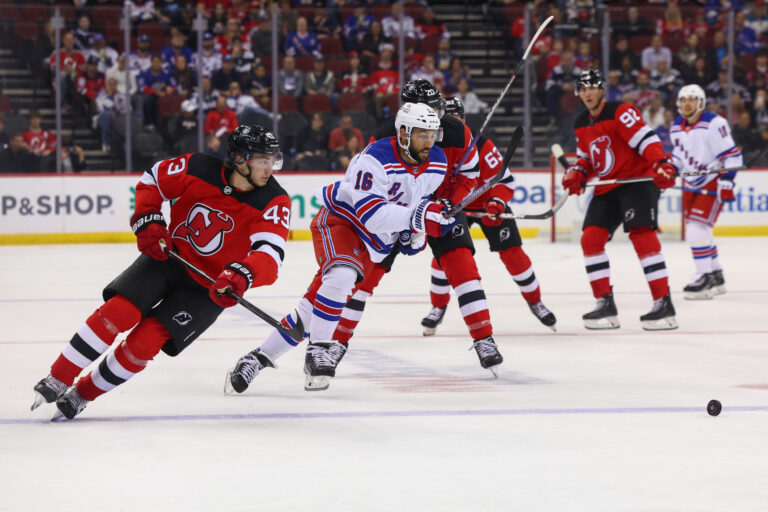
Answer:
(35, 12)
(332, 46)
(168, 104)
(317, 103)
(287, 103)
(351, 102)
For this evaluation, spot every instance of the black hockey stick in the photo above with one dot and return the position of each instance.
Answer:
(697, 191)
(517, 136)
(525, 216)
(516, 72)
(559, 154)
(600, 183)
(296, 333)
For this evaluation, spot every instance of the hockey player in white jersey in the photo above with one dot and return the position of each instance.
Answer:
(702, 140)
(384, 195)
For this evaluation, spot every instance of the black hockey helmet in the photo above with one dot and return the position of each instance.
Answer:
(246, 141)
(421, 91)
(590, 78)
(454, 106)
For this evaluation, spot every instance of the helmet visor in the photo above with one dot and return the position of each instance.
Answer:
(262, 161)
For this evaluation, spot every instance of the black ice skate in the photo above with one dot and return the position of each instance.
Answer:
(70, 404)
(604, 316)
(432, 320)
(488, 353)
(544, 315)
(718, 283)
(700, 289)
(320, 365)
(661, 317)
(48, 390)
(246, 369)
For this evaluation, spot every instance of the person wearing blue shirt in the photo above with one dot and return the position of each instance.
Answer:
(302, 42)
(153, 83)
(176, 47)
(356, 26)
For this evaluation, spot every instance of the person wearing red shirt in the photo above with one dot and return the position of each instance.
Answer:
(385, 79)
(221, 120)
(355, 79)
(71, 63)
(91, 81)
(41, 142)
(337, 140)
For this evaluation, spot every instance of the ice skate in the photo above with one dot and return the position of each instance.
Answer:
(320, 365)
(604, 316)
(48, 390)
(661, 317)
(432, 320)
(700, 289)
(544, 315)
(246, 369)
(717, 282)
(488, 353)
(70, 404)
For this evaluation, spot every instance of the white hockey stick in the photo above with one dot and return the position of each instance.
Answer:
(516, 72)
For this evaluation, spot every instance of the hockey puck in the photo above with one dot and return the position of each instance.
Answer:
(714, 407)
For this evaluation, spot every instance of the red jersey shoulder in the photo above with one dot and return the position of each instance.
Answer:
(490, 158)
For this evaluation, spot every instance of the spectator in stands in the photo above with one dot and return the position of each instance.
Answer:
(717, 92)
(472, 104)
(745, 135)
(391, 24)
(324, 24)
(242, 56)
(177, 48)
(688, 53)
(302, 42)
(761, 68)
(141, 10)
(154, 83)
(186, 124)
(314, 139)
(663, 130)
(72, 157)
(718, 50)
(141, 58)
(107, 56)
(218, 19)
(428, 72)
(3, 134)
(642, 94)
(700, 74)
(758, 18)
(320, 80)
(619, 51)
(628, 78)
(653, 114)
(287, 17)
(242, 104)
(561, 81)
(429, 26)
(651, 55)
(109, 103)
(444, 55)
(40, 142)
(340, 135)
(238, 10)
(613, 90)
(90, 82)
(117, 72)
(372, 43)
(633, 25)
(213, 146)
(700, 26)
(345, 154)
(355, 79)
(182, 76)
(71, 64)
(83, 33)
(666, 80)
(516, 35)
(226, 75)
(232, 32)
(210, 58)
(209, 96)
(17, 158)
(672, 24)
(385, 80)
(760, 106)
(221, 120)
(357, 25)
(46, 45)
(261, 39)
(254, 20)
(289, 79)
(584, 59)
(259, 84)
(745, 39)
(456, 72)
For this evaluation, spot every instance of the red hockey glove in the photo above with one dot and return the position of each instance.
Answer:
(574, 179)
(150, 228)
(236, 277)
(665, 172)
(725, 190)
(493, 206)
(428, 218)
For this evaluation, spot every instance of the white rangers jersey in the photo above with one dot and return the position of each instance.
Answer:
(707, 144)
(380, 191)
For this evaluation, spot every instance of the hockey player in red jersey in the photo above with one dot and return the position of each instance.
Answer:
(228, 218)
(502, 234)
(613, 142)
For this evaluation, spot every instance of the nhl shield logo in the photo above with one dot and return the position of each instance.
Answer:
(204, 229)
(182, 318)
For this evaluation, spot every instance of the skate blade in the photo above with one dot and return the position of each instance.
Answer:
(664, 324)
(718, 290)
(609, 322)
(317, 383)
(494, 370)
(703, 295)
(429, 331)
(58, 417)
(228, 389)
(39, 400)
(554, 329)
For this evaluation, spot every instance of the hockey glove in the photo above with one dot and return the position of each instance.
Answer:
(235, 278)
(493, 206)
(428, 218)
(725, 190)
(411, 243)
(574, 179)
(665, 172)
(150, 228)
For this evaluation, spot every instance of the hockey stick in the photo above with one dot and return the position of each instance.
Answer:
(559, 154)
(650, 178)
(517, 136)
(525, 216)
(296, 333)
(516, 72)
(697, 191)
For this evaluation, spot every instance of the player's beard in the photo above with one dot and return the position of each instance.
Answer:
(419, 157)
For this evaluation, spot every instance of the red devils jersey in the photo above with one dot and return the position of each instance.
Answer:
(490, 165)
(455, 140)
(617, 144)
(212, 223)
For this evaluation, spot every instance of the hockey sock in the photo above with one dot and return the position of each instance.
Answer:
(439, 287)
(337, 285)
(648, 250)
(129, 358)
(519, 266)
(715, 261)
(461, 270)
(700, 237)
(593, 242)
(276, 343)
(95, 336)
(353, 309)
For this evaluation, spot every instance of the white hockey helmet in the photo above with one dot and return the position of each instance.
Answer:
(692, 91)
(415, 115)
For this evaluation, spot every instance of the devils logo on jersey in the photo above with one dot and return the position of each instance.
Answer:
(204, 229)
(601, 155)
